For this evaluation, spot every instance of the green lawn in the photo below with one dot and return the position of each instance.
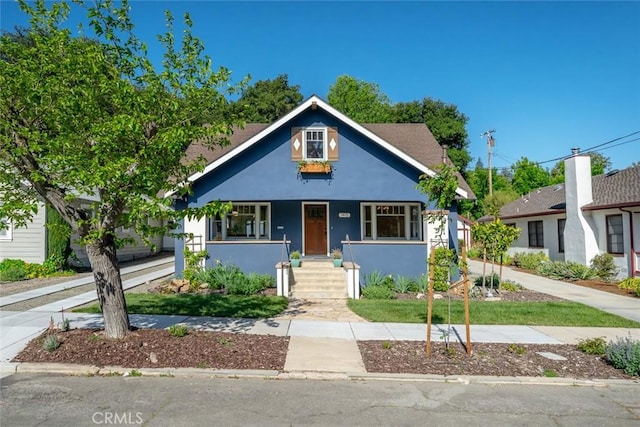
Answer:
(201, 305)
(557, 313)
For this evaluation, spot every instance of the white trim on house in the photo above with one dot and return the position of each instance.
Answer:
(314, 100)
(374, 223)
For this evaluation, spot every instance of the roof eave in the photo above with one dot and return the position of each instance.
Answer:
(329, 109)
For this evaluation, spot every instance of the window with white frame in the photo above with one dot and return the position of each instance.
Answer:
(315, 144)
(391, 221)
(245, 221)
(6, 230)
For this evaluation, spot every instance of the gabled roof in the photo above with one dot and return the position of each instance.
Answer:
(398, 138)
(615, 189)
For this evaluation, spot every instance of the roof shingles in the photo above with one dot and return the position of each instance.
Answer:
(614, 189)
(413, 139)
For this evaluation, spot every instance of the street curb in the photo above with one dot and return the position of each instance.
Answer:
(89, 370)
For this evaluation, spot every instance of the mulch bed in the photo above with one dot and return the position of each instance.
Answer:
(486, 359)
(156, 348)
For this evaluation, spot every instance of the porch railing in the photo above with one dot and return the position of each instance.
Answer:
(352, 273)
(282, 270)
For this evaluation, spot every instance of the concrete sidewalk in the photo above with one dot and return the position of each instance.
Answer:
(330, 346)
(611, 303)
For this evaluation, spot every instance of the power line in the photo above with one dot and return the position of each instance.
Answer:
(590, 148)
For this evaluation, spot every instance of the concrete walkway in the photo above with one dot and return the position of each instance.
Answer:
(329, 345)
(611, 303)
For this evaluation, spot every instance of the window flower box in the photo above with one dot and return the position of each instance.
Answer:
(314, 167)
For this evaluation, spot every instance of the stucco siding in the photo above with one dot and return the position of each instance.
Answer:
(550, 236)
(406, 259)
(264, 172)
(27, 243)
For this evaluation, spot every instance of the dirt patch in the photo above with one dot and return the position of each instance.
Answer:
(156, 348)
(487, 359)
(606, 287)
(151, 348)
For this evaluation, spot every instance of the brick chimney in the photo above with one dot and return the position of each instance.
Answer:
(580, 244)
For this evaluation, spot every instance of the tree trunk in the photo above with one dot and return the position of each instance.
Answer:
(102, 256)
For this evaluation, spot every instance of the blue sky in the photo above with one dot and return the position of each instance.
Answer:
(547, 76)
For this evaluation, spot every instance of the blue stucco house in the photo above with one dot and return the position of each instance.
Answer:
(364, 200)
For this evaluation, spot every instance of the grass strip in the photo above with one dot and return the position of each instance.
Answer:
(254, 306)
(555, 313)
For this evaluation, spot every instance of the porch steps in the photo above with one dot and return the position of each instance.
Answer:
(318, 279)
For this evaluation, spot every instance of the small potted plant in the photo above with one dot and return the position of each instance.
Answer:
(336, 254)
(295, 258)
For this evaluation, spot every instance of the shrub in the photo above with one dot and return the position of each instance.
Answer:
(193, 264)
(12, 270)
(443, 262)
(51, 343)
(402, 284)
(248, 285)
(624, 354)
(375, 278)
(592, 346)
(565, 271)
(491, 281)
(630, 284)
(224, 275)
(377, 292)
(580, 271)
(475, 253)
(422, 284)
(529, 261)
(177, 330)
(510, 286)
(604, 267)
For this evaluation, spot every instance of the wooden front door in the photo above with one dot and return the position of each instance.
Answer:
(315, 229)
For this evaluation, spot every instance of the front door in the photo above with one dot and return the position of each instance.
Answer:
(315, 229)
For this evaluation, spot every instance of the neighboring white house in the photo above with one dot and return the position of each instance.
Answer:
(584, 217)
(30, 243)
(464, 230)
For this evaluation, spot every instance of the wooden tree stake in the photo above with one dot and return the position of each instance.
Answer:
(467, 321)
(432, 262)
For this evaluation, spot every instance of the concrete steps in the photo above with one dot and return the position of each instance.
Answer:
(318, 279)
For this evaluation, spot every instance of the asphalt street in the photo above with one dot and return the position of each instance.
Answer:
(41, 399)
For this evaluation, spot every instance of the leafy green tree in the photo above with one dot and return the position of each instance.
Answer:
(447, 124)
(478, 180)
(81, 117)
(362, 101)
(528, 176)
(494, 238)
(494, 202)
(599, 165)
(268, 100)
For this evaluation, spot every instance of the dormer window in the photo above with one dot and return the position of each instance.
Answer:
(315, 144)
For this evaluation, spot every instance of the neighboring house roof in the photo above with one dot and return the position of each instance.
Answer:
(398, 138)
(615, 189)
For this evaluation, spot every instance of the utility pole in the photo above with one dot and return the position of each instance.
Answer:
(490, 143)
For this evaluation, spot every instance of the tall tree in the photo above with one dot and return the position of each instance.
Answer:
(362, 101)
(528, 176)
(445, 122)
(478, 180)
(599, 165)
(268, 100)
(81, 117)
